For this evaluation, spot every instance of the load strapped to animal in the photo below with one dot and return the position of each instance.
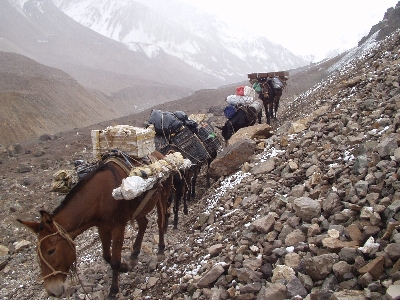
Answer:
(243, 99)
(136, 143)
(269, 87)
(276, 79)
(127, 146)
(194, 139)
(242, 111)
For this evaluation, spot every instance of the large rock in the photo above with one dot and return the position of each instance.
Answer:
(319, 267)
(211, 276)
(307, 208)
(264, 167)
(257, 131)
(387, 145)
(231, 158)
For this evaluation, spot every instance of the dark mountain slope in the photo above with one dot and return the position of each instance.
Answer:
(36, 99)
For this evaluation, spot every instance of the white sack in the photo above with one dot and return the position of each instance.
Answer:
(132, 187)
(243, 100)
(249, 91)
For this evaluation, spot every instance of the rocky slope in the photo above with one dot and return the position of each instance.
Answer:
(312, 214)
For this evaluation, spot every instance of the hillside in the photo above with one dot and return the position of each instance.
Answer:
(44, 33)
(49, 101)
(106, 80)
(36, 98)
(310, 215)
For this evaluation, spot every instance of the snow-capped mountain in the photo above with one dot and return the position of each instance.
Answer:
(199, 39)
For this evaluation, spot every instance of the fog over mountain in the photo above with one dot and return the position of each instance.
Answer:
(199, 39)
(58, 74)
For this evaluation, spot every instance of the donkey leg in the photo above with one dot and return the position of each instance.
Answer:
(208, 180)
(142, 224)
(168, 211)
(267, 114)
(271, 110)
(105, 237)
(118, 239)
(276, 107)
(178, 196)
(193, 183)
(208, 183)
(161, 210)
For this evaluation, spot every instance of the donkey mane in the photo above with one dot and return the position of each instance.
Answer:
(82, 182)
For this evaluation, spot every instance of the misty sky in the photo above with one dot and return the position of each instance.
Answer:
(306, 26)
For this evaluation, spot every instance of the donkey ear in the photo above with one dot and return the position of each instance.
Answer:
(219, 127)
(47, 220)
(34, 226)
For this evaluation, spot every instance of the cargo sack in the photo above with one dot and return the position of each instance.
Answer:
(165, 123)
(249, 91)
(230, 111)
(277, 83)
(240, 91)
(190, 146)
(242, 100)
(63, 181)
(161, 144)
(83, 168)
(191, 124)
(257, 87)
(209, 138)
(181, 115)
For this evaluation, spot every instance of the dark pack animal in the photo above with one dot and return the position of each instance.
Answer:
(244, 116)
(270, 95)
(185, 187)
(90, 203)
(184, 182)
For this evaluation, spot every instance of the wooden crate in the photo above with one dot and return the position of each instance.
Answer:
(134, 141)
(281, 74)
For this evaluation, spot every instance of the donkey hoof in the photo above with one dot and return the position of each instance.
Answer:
(185, 211)
(124, 267)
(133, 261)
(160, 256)
(111, 296)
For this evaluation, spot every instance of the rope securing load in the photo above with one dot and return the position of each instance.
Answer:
(143, 178)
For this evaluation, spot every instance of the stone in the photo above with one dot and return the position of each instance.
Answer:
(294, 237)
(307, 208)
(246, 275)
(264, 167)
(387, 146)
(212, 275)
(264, 224)
(295, 287)
(3, 251)
(318, 267)
(331, 202)
(348, 295)
(257, 131)
(276, 291)
(393, 250)
(393, 292)
(214, 250)
(374, 267)
(282, 272)
(253, 263)
(231, 158)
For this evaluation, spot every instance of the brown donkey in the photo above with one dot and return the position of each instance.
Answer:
(90, 203)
